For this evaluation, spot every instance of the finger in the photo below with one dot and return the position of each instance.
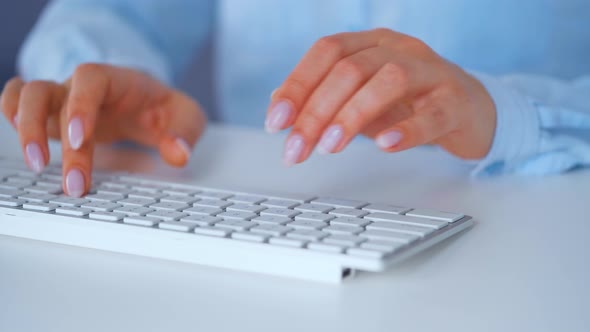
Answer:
(429, 124)
(395, 83)
(345, 78)
(311, 70)
(10, 98)
(77, 164)
(36, 103)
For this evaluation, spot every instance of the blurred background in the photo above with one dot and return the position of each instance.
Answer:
(16, 19)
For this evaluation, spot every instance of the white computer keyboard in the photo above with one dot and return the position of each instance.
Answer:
(308, 237)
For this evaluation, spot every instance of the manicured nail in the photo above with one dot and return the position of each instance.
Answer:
(35, 157)
(330, 139)
(293, 150)
(75, 133)
(75, 183)
(183, 145)
(389, 139)
(278, 117)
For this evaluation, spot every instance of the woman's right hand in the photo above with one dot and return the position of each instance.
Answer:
(99, 104)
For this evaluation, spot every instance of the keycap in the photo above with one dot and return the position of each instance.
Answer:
(180, 191)
(24, 181)
(40, 198)
(318, 208)
(53, 190)
(172, 206)
(406, 220)
(330, 248)
(347, 212)
(11, 202)
(105, 197)
(10, 186)
(339, 203)
(436, 215)
(111, 190)
(287, 213)
(113, 184)
(201, 220)
(249, 236)
(73, 211)
(274, 230)
(203, 210)
(246, 208)
(145, 194)
(212, 231)
(343, 229)
(367, 253)
(307, 224)
(385, 208)
(178, 226)
(167, 215)
(149, 188)
(213, 195)
(137, 201)
(346, 240)
(236, 225)
(246, 199)
(400, 228)
(106, 216)
(384, 246)
(307, 234)
(216, 203)
(287, 242)
(133, 210)
(349, 221)
(389, 236)
(237, 215)
(101, 206)
(279, 203)
(188, 200)
(68, 201)
(314, 216)
(141, 221)
(276, 220)
(11, 193)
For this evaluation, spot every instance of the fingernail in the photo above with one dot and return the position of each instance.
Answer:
(75, 133)
(183, 145)
(278, 117)
(389, 139)
(75, 183)
(330, 139)
(293, 150)
(35, 157)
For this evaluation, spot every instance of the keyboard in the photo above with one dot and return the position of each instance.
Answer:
(300, 236)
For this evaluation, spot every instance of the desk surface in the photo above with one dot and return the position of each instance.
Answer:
(523, 267)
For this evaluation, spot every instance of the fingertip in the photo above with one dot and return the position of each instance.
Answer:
(175, 151)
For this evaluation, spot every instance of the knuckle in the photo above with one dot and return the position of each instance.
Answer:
(395, 75)
(88, 70)
(35, 87)
(384, 32)
(330, 45)
(350, 68)
(413, 43)
(310, 123)
(295, 86)
(438, 119)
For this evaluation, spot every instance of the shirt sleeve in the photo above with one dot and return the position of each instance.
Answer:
(543, 125)
(155, 36)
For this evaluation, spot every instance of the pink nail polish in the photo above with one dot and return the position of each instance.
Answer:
(330, 139)
(75, 183)
(76, 133)
(389, 139)
(293, 150)
(278, 117)
(184, 146)
(35, 157)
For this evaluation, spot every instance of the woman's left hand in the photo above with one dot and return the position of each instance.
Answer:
(386, 85)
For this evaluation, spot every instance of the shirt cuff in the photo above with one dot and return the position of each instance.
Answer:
(517, 133)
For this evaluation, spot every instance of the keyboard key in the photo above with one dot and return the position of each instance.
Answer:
(105, 197)
(344, 240)
(249, 236)
(236, 225)
(188, 200)
(367, 253)
(307, 224)
(133, 210)
(68, 201)
(317, 208)
(167, 215)
(314, 217)
(384, 246)
(307, 234)
(385, 208)
(347, 212)
(39, 198)
(213, 195)
(400, 228)
(178, 226)
(274, 230)
(111, 190)
(201, 220)
(339, 203)
(212, 231)
(389, 236)
(436, 215)
(11, 202)
(246, 208)
(276, 220)
(237, 215)
(406, 220)
(203, 210)
(73, 211)
(215, 203)
(11, 193)
(112, 184)
(343, 229)
(10, 186)
(52, 190)
(181, 191)
(136, 201)
(279, 203)
(144, 194)
(246, 199)
(141, 221)
(101, 206)
(287, 242)
(287, 213)
(330, 248)
(172, 206)
(349, 221)
(106, 216)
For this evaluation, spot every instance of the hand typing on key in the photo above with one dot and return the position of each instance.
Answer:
(99, 103)
(387, 86)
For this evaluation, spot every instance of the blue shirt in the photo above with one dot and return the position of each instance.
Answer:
(533, 56)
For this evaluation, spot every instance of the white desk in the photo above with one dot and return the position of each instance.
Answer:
(523, 267)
